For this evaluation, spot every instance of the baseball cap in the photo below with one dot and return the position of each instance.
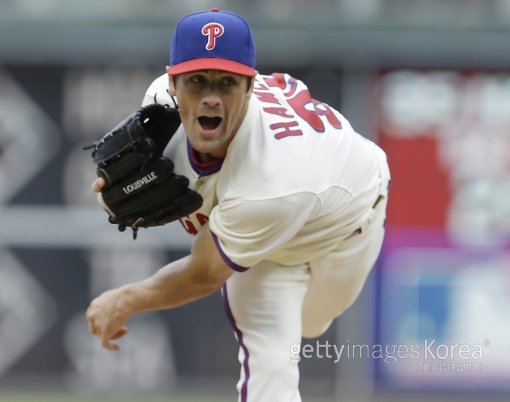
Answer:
(215, 39)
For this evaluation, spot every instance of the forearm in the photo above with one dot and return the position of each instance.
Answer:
(190, 278)
(173, 285)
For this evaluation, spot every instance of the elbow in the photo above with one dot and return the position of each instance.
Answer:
(206, 283)
(211, 287)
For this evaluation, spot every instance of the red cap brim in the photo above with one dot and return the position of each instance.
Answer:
(212, 64)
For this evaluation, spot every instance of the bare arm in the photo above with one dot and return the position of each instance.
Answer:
(193, 277)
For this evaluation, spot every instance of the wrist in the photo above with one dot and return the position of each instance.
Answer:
(133, 299)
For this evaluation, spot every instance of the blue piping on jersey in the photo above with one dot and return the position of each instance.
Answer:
(225, 258)
(205, 169)
(239, 336)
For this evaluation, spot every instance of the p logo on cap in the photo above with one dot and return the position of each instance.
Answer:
(212, 40)
(213, 30)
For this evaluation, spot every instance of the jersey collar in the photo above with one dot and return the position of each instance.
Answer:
(202, 169)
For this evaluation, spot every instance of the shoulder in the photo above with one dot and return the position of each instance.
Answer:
(290, 110)
(158, 92)
(275, 151)
(291, 142)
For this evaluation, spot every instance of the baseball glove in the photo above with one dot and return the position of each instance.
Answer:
(141, 188)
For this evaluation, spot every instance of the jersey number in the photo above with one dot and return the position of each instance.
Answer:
(310, 110)
(190, 227)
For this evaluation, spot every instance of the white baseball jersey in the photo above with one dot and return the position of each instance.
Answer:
(295, 198)
(284, 190)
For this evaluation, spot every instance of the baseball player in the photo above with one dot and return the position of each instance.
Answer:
(293, 206)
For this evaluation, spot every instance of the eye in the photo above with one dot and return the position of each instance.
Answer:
(228, 81)
(197, 79)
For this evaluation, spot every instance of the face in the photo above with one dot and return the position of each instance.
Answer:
(212, 105)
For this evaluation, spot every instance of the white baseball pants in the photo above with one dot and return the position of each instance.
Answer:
(272, 306)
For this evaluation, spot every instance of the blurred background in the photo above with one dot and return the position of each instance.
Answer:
(428, 80)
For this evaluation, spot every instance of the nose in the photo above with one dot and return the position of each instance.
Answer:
(211, 99)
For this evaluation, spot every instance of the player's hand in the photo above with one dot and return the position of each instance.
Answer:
(98, 185)
(106, 318)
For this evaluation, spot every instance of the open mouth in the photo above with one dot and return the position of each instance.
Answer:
(209, 123)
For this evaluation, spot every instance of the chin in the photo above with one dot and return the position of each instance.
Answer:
(204, 146)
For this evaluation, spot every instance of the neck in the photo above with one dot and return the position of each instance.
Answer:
(204, 158)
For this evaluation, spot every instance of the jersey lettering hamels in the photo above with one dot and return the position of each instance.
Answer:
(293, 162)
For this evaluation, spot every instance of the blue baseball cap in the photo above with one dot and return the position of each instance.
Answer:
(216, 40)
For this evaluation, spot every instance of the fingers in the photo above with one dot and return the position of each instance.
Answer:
(90, 321)
(119, 334)
(106, 337)
(92, 328)
(98, 185)
(105, 330)
(105, 343)
(106, 340)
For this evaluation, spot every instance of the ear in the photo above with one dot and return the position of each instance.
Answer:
(250, 89)
(171, 82)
